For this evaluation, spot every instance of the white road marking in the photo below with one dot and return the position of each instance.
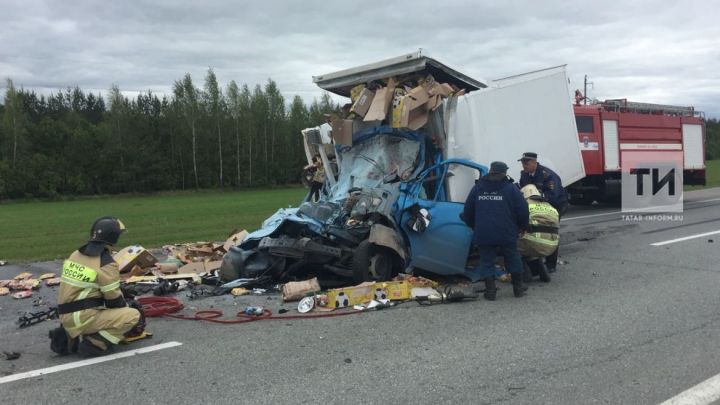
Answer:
(589, 216)
(628, 212)
(87, 362)
(700, 235)
(706, 392)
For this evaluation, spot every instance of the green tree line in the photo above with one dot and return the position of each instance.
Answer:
(712, 139)
(79, 143)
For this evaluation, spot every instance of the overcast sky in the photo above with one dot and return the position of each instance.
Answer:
(652, 51)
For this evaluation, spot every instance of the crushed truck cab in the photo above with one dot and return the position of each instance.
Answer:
(400, 161)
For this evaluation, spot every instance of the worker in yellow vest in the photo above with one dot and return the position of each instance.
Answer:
(542, 237)
(93, 313)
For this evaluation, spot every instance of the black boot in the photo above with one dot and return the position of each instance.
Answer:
(517, 283)
(538, 267)
(61, 343)
(94, 345)
(490, 289)
(551, 261)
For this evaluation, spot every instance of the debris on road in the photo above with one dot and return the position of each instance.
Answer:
(296, 290)
(23, 276)
(22, 294)
(11, 355)
(32, 318)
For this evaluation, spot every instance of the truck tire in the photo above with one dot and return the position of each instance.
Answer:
(586, 199)
(371, 263)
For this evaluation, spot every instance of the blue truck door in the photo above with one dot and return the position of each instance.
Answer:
(444, 246)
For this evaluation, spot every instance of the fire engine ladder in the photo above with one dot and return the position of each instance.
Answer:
(623, 104)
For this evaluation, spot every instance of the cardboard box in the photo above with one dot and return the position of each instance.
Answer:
(411, 110)
(362, 104)
(134, 255)
(355, 92)
(200, 267)
(296, 290)
(234, 239)
(394, 290)
(381, 103)
(350, 296)
(342, 131)
(440, 89)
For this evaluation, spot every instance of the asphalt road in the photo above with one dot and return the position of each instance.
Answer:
(622, 322)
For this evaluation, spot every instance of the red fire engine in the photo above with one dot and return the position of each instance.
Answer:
(606, 129)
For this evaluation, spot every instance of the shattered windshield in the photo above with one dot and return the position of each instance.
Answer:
(375, 162)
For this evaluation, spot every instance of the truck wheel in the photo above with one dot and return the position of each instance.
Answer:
(586, 199)
(371, 263)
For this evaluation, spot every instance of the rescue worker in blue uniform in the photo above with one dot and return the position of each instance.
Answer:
(550, 185)
(498, 214)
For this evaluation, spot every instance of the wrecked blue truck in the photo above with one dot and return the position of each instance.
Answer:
(406, 147)
(387, 212)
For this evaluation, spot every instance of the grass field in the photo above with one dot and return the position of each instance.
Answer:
(31, 231)
(712, 175)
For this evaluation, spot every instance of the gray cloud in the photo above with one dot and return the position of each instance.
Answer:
(654, 51)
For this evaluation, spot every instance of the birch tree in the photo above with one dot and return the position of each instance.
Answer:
(187, 96)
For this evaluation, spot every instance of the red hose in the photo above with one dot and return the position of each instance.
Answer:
(167, 306)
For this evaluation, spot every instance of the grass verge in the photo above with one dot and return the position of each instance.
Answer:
(33, 231)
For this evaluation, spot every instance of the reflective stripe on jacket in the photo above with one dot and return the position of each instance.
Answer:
(542, 237)
(83, 277)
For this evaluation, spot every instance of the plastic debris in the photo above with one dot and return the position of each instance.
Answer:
(255, 311)
(52, 281)
(11, 355)
(22, 294)
(306, 305)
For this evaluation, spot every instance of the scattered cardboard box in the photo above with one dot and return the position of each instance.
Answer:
(134, 255)
(200, 267)
(394, 290)
(234, 239)
(350, 296)
(380, 105)
(296, 290)
(168, 268)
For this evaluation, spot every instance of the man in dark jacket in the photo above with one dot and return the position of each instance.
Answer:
(498, 214)
(550, 185)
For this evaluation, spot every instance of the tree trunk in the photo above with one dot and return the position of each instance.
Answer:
(237, 149)
(220, 151)
(249, 154)
(267, 179)
(197, 183)
(14, 127)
